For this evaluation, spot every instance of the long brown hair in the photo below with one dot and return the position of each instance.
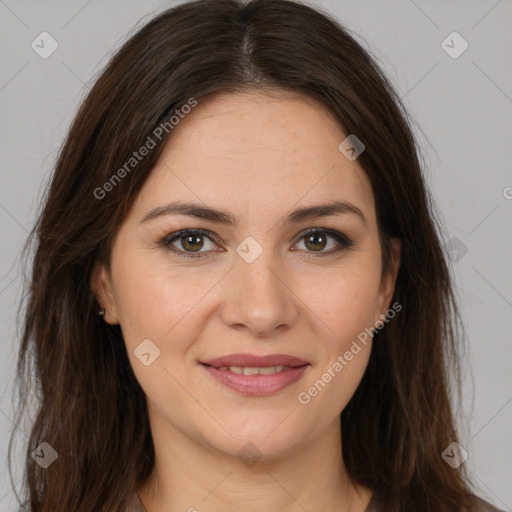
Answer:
(91, 409)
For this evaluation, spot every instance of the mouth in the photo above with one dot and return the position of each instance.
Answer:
(253, 375)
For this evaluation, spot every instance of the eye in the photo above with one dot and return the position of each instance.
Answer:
(317, 239)
(189, 242)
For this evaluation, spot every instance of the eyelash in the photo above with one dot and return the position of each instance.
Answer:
(345, 242)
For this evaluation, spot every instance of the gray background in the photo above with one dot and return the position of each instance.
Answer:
(462, 109)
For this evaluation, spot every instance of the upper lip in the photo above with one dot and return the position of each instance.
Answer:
(251, 360)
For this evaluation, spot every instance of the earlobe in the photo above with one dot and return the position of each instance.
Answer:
(102, 289)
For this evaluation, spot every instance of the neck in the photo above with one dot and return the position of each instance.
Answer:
(190, 476)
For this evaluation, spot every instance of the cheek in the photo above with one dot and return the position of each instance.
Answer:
(345, 304)
(153, 300)
(346, 307)
(333, 384)
(156, 305)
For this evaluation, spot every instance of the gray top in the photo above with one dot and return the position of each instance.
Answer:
(373, 506)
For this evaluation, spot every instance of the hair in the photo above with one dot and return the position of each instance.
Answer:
(90, 407)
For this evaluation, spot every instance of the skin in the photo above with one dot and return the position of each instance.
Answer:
(258, 157)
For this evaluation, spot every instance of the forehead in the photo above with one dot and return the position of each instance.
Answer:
(249, 150)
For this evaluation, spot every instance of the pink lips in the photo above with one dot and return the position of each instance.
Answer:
(256, 384)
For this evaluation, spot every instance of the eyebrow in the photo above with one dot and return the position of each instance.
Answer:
(217, 216)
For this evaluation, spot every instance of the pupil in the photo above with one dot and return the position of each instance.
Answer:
(313, 237)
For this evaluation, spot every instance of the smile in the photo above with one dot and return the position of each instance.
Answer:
(263, 370)
(256, 375)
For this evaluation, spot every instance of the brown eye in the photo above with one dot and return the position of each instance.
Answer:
(189, 243)
(316, 242)
(318, 239)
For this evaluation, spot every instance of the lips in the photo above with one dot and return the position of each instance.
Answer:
(249, 374)
(250, 360)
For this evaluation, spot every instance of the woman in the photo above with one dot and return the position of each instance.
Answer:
(240, 198)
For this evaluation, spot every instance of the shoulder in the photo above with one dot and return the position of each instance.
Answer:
(135, 504)
(484, 506)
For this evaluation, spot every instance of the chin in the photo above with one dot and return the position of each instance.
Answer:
(268, 437)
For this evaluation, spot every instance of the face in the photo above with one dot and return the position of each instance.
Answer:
(270, 277)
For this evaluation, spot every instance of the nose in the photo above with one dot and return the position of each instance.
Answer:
(258, 298)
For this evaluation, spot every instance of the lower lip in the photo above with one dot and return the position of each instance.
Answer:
(259, 385)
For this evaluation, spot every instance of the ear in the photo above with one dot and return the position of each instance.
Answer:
(101, 286)
(388, 279)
